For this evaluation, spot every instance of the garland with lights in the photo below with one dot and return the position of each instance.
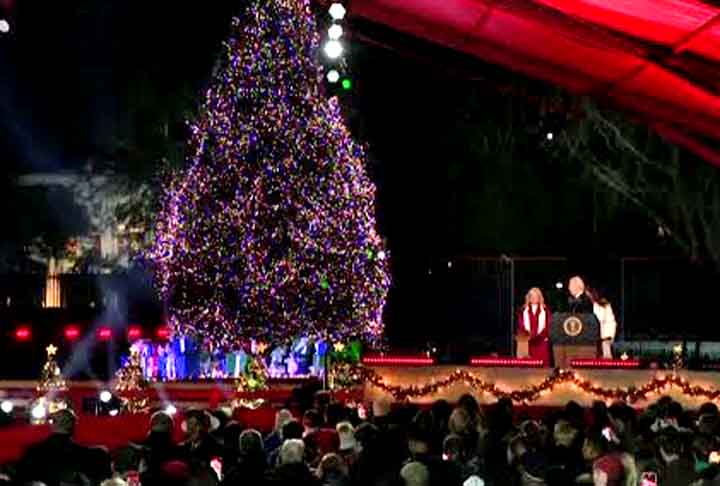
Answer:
(270, 231)
(131, 385)
(532, 393)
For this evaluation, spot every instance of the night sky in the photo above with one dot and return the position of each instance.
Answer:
(67, 74)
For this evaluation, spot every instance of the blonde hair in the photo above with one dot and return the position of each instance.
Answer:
(537, 291)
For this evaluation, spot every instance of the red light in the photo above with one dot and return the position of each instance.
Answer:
(104, 333)
(134, 333)
(605, 363)
(398, 361)
(23, 333)
(162, 332)
(72, 333)
(508, 362)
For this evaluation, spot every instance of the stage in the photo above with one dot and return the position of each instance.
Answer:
(639, 387)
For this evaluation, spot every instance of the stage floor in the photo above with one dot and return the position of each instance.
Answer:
(509, 379)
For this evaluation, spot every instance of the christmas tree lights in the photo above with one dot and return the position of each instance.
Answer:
(270, 232)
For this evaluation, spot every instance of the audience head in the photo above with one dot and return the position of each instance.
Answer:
(381, 407)
(251, 442)
(198, 423)
(453, 447)
(594, 447)
(332, 465)
(419, 439)
(292, 451)
(670, 446)
(470, 405)
(415, 474)
(63, 422)
(161, 423)
(292, 430)
(461, 422)
(336, 413)
(366, 436)
(708, 408)
(282, 417)
(564, 433)
(346, 433)
(312, 420)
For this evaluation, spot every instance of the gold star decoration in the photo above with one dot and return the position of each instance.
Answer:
(51, 350)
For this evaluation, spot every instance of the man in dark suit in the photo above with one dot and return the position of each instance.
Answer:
(579, 301)
(60, 460)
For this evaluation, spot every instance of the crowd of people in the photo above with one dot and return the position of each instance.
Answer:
(398, 445)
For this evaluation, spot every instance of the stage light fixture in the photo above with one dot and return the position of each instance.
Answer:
(170, 409)
(23, 334)
(7, 406)
(337, 11)
(4, 26)
(559, 285)
(72, 333)
(134, 333)
(105, 396)
(550, 136)
(104, 333)
(335, 32)
(114, 412)
(333, 49)
(38, 412)
(346, 84)
(333, 76)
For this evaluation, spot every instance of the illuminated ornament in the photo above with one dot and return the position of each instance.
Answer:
(339, 347)
(624, 357)
(333, 76)
(549, 136)
(7, 406)
(4, 26)
(335, 32)
(381, 255)
(346, 84)
(337, 11)
(333, 49)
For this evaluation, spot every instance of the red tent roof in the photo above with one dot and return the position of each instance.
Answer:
(658, 59)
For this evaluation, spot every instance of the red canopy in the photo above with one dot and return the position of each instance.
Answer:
(658, 59)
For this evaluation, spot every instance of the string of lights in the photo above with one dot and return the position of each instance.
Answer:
(655, 386)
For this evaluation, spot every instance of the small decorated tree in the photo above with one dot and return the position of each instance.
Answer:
(50, 390)
(131, 386)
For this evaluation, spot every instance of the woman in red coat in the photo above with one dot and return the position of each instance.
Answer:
(535, 322)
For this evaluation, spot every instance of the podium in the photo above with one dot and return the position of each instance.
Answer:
(574, 336)
(522, 348)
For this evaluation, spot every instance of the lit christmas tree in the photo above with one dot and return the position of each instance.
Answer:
(131, 385)
(52, 381)
(270, 231)
(50, 389)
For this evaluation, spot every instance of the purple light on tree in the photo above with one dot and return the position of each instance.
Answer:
(270, 231)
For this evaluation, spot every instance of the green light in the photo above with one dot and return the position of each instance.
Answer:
(347, 84)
